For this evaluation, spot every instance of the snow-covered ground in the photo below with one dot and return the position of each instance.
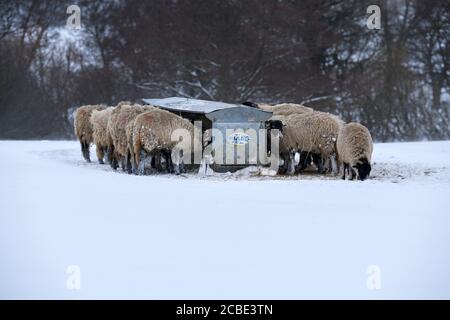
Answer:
(223, 236)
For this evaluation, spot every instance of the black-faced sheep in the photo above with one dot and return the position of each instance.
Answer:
(287, 143)
(316, 134)
(101, 137)
(355, 147)
(312, 134)
(83, 127)
(280, 113)
(153, 132)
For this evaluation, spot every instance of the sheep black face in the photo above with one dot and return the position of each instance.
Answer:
(250, 104)
(363, 169)
(274, 124)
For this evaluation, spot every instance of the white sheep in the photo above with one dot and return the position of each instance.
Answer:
(316, 134)
(83, 127)
(152, 134)
(281, 112)
(308, 133)
(129, 131)
(120, 117)
(101, 137)
(354, 148)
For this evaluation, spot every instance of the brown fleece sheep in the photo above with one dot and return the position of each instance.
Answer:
(315, 133)
(83, 127)
(111, 127)
(129, 131)
(152, 133)
(355, 147)
(101, 137)
(117, 124)
(308, 133)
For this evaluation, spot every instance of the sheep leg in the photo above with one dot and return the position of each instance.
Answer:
(339, 166)
(301, 164)
(283, 167)
(110, 155)
(154, 162)
(82, 149)
(344, 171)
(141, 162)
(157, 158)
(114, 161)
(85, 151)
(333, 165)
(149, 163)
(118, 161)
(133, 163)
(137, 159)
(160, 161)
(318, 161)
(165, 156)
(170, 168)
(176, 161)
(327, 165)
(128, 163)
(322, 168)
(290, 163)
(134, 167)
(304, 157)
(100, 154)
(105, 154)
(351, 173)
(297, 167)
(123, 163)
(168, 158)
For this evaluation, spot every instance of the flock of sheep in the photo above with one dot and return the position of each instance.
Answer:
(127, 132)
(321, 138)
(130, 134)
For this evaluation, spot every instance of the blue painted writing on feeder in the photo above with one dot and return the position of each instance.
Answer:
(239, 138)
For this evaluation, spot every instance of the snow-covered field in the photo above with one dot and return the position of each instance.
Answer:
(223, 236)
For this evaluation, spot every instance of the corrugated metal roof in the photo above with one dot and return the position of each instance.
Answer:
(192, 105)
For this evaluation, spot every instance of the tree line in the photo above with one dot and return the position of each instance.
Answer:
(395, 79)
